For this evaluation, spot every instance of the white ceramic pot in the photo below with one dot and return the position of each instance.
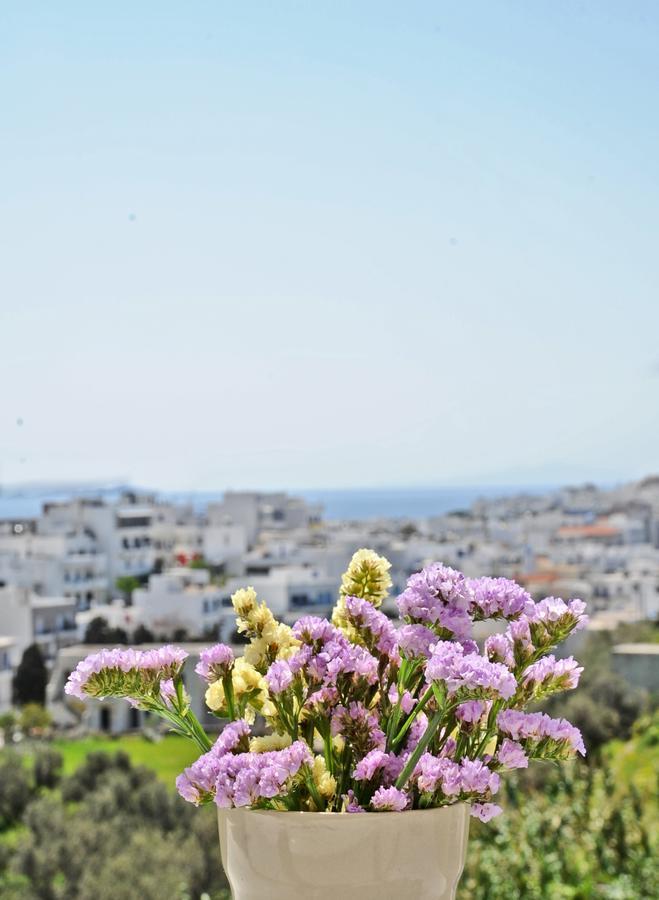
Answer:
(417, 855)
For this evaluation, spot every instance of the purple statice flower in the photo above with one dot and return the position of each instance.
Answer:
(124, 672)
(537, 727)
(519, 633)
(437, 596)
(244, 779)
(415, 640)
(511, 755)
(314, 630)
(279, 676)
(552, 611)
(472, 711)
(377, 630)
(168, 691)
(496, 597)
(553, 674)
(231, 737)
(416, 731)
(378, 764)
(469, 671)
(214, 662)
(163, 659)
(322, 701)
(449, 748)
(438, 773)
(499, 649)
(485, 811)
(389, 799)
(359, 727)
(407, 701)
(300, 658)
(477, 778)
(370, 765)
(197, 782)
(341, 658)
(351, 803)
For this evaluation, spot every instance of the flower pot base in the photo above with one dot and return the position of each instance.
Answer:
(330, 856)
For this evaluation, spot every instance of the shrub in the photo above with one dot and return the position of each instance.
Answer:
(579, 838)
(15, 789)
(47, 768)
(34, 719)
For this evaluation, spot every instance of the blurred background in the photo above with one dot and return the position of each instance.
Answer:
(281, 280)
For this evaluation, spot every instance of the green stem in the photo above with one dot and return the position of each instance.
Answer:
(412, 716)
(315, 796)
(227, 683)
(329, 756)
(187, 725)
(434, 724)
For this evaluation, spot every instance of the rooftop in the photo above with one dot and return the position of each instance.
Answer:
(640, 649)
(37, 602)
(598, 530)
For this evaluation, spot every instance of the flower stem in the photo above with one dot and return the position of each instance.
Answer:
(429, 733)
(410, 719)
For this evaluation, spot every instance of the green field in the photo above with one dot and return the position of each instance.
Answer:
(167, 757)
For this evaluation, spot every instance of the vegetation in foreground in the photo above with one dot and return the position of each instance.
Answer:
(112, 830)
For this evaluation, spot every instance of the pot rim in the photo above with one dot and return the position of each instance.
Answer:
(325, 815)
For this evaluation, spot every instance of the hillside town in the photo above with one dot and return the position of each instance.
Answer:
(145, 570)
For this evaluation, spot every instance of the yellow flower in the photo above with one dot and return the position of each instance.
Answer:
(338, 743)
(255, 651)
(244, 602)
(368, 577)
(325, 783)
(215, 698)
(269, 742)
(245, 678)
(254, 618)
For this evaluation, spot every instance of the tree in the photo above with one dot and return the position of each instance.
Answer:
(31, 678)
(143, 635)
(126, 584)
(99, 632)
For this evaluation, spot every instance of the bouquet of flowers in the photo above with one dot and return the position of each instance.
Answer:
(364, 714)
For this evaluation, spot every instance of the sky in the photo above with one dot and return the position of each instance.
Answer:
(329, 244)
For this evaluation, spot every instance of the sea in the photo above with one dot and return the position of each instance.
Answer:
(351, 504)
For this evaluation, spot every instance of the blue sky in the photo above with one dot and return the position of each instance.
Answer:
(329, 244)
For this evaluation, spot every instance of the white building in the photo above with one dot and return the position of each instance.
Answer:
(8, 663)
(258, 511)
(66, 564)
(123, 531)
(180, 598)
(186, 599)
(32, 619)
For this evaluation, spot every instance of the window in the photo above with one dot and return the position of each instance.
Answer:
(105, 718)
